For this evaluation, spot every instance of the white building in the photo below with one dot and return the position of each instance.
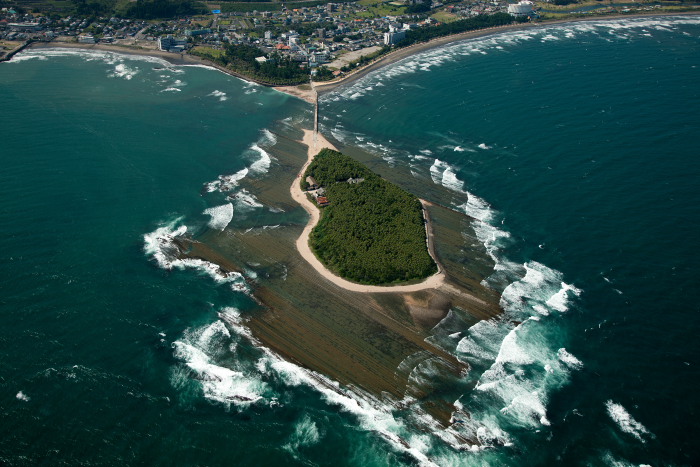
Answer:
(86, 39)
(394, 36)
(172, 44)
(523, 8)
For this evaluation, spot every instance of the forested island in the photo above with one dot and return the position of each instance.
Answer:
(371, 231)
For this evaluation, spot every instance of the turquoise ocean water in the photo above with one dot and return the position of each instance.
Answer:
(578, 147)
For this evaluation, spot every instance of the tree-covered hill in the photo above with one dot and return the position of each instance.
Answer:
(372, 232)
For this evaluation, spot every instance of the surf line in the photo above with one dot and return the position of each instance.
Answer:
(315, 141)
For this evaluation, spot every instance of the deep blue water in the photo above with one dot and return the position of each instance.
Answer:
(577, 147)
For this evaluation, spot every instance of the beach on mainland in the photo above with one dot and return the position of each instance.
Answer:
(305, 91)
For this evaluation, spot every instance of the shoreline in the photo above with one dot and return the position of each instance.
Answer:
(175, 59)
(394, 56)
(306, 92)
(315, 142)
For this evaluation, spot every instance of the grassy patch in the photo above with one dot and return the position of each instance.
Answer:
(378, 8)
(205, 51)
(444, 17)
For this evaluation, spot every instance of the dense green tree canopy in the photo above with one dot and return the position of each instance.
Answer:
(469, 24)
(373, 232)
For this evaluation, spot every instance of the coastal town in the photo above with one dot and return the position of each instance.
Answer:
(323, 40)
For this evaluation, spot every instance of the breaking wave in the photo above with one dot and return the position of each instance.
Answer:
(260, 166)
(220, 216)
(201, 351)
(208, 358)
(626, 422)
(161, 246)
(502, 42)
(220, 94)
(123, 71)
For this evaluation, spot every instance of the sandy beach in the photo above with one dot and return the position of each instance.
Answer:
(315, 142)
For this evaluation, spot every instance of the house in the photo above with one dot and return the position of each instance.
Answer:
(86, 39)
(322, 201)
(313, 184)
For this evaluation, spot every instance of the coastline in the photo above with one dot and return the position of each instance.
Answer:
(306, 92)
(315, 142)
(324, 87)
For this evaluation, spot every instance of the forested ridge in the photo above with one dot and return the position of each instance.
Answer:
(372, 232)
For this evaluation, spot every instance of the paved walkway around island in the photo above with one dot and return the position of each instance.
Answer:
(315, 142)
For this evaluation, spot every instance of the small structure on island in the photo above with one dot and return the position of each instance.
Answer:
(353, 181)
(313, 184)
(322, 201)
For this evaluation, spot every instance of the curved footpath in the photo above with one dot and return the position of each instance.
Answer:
(315, 142)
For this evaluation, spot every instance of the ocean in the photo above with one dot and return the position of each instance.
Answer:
(575, 147)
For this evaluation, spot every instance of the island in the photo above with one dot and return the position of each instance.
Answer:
(371, 231)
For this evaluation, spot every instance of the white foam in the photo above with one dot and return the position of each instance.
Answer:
(511, 352)
(559, 301)
(262, 165)
(483, 146)
(482, 340)
(110, 58)
(220, 94)
(500, 42)
(478, 209)
(171, 90)
(158, 243)
(226, 182)
(268, 138)
(443, 174)
(22, 397)
(305, 434)
(160, 246)
(199, 349)
(569, 359)
(247, 201)
(371, 415)
(123, 71)
(220, 216)
(541, 286)
(626, 422)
